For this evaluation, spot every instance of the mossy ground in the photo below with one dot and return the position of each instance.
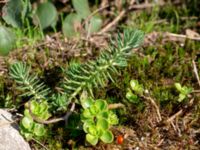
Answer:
(159, 64)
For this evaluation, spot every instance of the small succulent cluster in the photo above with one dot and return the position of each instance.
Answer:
(138, 90)
(183, 91)
(97, 120)
(135, 91)
(29, 127)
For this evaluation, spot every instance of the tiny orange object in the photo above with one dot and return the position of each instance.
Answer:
(120, 139)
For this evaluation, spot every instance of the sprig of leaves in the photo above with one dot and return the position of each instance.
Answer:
(96, 73)
(29, 84)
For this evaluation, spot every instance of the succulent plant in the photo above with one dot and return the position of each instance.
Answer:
(184, 91)
(135, 91)
(97, 120)
(29, 127)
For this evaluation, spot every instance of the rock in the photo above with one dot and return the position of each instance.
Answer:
(10, 138)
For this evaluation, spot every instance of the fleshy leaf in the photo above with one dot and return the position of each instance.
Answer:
(93, 130)
(178, 86)
(107, 137)
(27, 114)
(186, 90)
(45, 115)
(136, 87)
(27, 123)
(101, 105)
(87, 113)
(39, 129)
(94, 110)
(181, 97)
(104, 114)
(131, 97)
(113, 119)
(35, 107)
(43, 106)
(87, 124)
(92, 139)
(27, 135)
(133, 84)
(86, 103)
(102, 123)
(40, 109)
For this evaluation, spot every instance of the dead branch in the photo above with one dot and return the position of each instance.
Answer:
(170, 119)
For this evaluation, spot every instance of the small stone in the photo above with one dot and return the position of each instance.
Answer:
(10, 138)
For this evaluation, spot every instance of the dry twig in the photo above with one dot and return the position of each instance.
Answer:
(146, 5)
(94, 13)
(131, 7)
(182, 36)
(181, 111)
(116, 20)
(64, 118)
(115, 106)
(169, 120)
(155, 105)
(196, 72)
